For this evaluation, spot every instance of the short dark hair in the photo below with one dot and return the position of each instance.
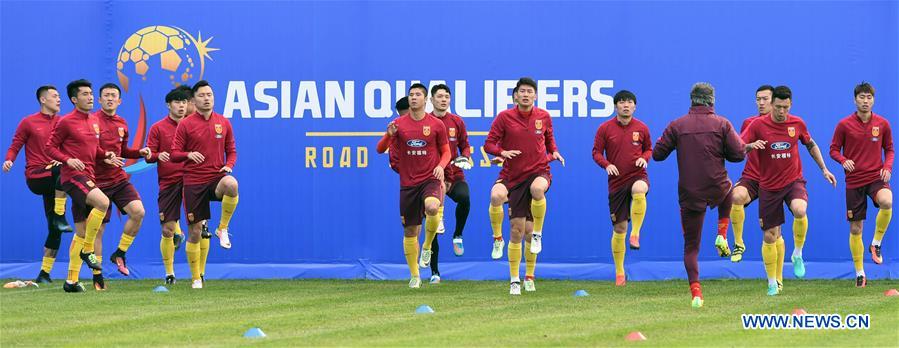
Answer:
(419, 86)
(439, 87)
(198, 85)
(624, 95)
(514, 90)
(864, 87)
(782, 93)
(765, 88)
(402, 104)
(177, 93)
(110, 85)
(526, 81)
(186, 89)
(42, 89)
(72, 87)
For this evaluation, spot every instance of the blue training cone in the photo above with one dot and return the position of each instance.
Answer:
(581, 293)
(160, 289)
(424, 309)
(254, 332)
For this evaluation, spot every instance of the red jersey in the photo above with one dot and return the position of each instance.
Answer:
(531, 133)
(869, 145)
(457, 136)
(622, 146)
(76, 135)
(33, 132)
(779, 163)
(751, 170)
(213, 138)
(417, 146)
(162, 135)
(114, 138)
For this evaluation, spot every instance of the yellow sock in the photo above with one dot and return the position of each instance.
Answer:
(769, 256)
(204, 254)
(99, 261)
(193, 259)
(410, 250)
(47, 264)
(125, 242)
(59, 205)
(167, 249)
(92, 225)
(638, 212)
(178, 228)
(538, 210)
(618, 252)
(858, 251)
(514, 260)
(228, 205)
(496, 220)
(880, 224)
(440, 213)
(781, 252)
(431, 224)
(737, 218)
(530, 260)
(74, 258)
(800, 227)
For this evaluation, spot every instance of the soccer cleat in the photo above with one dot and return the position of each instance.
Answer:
(72, 287)
(224, 238)
(441, 228)
(99, 282)
(415, 283)
(196, 284)
(634, 242)
(91, 260)
(204, 230)
(536, 243)
(178, 240)
(118, 259)
(875, 254)
(737, 255)
(515, 288)
(780, 287)
(620, 280)
(798, 267)
(529, 284)
(772, 290)
(425, 259)
(43, 277)
(697, 302)
(170, 279)
(435, 279)
(861, 281)
(498, 245)
(458, 248)
(721, 245)
(60, 224)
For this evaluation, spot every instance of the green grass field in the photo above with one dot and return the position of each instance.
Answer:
(381, 313)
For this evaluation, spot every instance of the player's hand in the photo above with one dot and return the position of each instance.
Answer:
(830, 178)
(7, 165)
(115, 161)
(885, 175)
(164, 157)
(849, 165)
(225, 169)
(438, 173)
(196, 157)
(54, 163)
(558, 156)
(75, 164)
(145, 152)
(756, 145)
(641, 163)
(612, 170)
(391, 128)
(510, 154)
(497, 160)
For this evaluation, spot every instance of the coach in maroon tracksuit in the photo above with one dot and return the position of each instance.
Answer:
(703, 141)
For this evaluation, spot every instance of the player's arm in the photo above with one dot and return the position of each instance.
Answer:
(734, 149)
(464, 145)
(495, 137)
(444, 148)
(836, 147)
(387, 140)
(888, 154)
(179, 154)
(153, 145)
(550, 140)
(599, 147)
(131, 153)
(815, 152)
(230, 149)
(751, 140)
(18, 140)
(665, 145)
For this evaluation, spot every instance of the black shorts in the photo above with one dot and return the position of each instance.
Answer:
(169, 202)
(857, 202)
(120, 194)
(771, 212)
(412, 201)
(620, 200)
(197, 198)
(751, 186)
(520, 196)
(78, 187)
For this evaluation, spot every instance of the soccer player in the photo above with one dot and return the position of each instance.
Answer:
(703, 140)
(113, 180)
(781, 181)
(622, 147)
(859, 141)
(42, 172)
(419, 140)
(746, 190)
(204, 140)
(75, 141)
(523, 136)
(205, 236)
(496, 212)
(170, 174)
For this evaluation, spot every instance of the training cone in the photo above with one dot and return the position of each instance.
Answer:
(799, 311)
(891, 292)
(424, 309)
(254, 333)
(160, 289)
(581, 293)
(635, 336)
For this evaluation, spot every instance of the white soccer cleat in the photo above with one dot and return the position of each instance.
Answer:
(515, 288)
(224, 239)
(415, 283)
(435, 279)
(529, 285)
(441, 228)
(425, 259)
(498, 245)
(196, 284)
(536, 243)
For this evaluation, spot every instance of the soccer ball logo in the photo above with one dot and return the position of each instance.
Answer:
(169, 50)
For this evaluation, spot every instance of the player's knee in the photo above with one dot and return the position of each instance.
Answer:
(231, 186)
(168, 230)
(799, 212)
(639, 186)
(855, 227)
(619, 228)
(885, 201)
(537, 192)
(137, 213)
(102, 203)
(740, 196)
(497, 198)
